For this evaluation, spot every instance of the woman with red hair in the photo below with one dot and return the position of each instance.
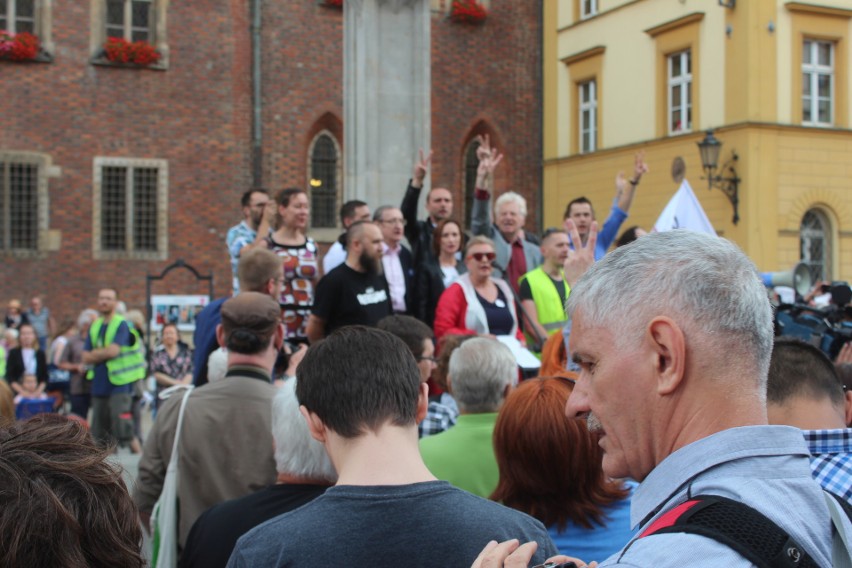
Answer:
(550, 468)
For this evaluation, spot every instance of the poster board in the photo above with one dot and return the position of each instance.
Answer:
(179, 309)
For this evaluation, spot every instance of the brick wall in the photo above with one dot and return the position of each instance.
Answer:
(197, 115)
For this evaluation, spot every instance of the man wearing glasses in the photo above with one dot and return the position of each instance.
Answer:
(251, 230)
(397, 261)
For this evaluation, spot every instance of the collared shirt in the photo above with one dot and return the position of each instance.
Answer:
(765, 467)
(831, 459)
(440, 416)
(517, 263)
(395, 276)
(238, 237)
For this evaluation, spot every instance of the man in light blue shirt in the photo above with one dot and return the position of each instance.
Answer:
(257, 219)
(673, 335)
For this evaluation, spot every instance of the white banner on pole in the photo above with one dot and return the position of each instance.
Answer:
(684, 212)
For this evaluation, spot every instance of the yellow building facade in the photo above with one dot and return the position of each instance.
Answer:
(770, 77)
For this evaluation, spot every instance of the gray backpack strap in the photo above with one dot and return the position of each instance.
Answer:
(840, 538)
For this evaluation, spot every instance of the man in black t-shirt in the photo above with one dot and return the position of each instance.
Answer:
(356, 292)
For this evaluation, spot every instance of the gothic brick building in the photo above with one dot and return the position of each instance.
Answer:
(110, 171)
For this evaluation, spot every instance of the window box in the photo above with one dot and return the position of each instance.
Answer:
(468, 12)
(120, 51)
(21, 48)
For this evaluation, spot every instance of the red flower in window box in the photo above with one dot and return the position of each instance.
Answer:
(18, 47)
(334, 3)
(119, 50)
(468, 12)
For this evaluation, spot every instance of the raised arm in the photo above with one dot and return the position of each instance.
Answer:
(412, 196)
(624, 188)
(489, 158)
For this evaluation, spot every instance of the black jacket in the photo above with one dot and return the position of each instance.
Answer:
(15, 366)
(430, 286)
(418, 233)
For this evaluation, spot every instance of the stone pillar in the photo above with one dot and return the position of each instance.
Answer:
(386, 96)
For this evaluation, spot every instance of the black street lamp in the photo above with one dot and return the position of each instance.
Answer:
(709, 149)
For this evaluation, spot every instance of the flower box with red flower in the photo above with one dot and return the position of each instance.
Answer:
(120, 51)
(468, 12)
(18, 47)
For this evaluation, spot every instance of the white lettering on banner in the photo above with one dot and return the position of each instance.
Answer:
(371, 296)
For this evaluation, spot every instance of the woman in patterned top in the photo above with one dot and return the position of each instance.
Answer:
(171, 363)
(299, 255)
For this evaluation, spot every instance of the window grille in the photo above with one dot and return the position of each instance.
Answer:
(129, 19)
(129, 208)
(680, 92)
(324, 187)
(818, 83)
(18, 16)
(815, 241)
(19, 206)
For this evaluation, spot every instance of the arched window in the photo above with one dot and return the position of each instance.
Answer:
(815, 241)
(471, 164)
(325, 157)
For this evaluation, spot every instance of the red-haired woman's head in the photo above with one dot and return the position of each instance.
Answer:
(550, 465)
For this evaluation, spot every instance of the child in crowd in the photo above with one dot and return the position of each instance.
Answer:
(30, 389)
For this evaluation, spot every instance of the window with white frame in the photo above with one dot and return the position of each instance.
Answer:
(818, 82)
(679, 87)
(131, 213)
(324, 168)
(18, 16)
(132, 20)
(815, 241)
(588, 120)
(588, 8)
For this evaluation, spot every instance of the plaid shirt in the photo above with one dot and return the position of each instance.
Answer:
(831, 459)
(440, 416)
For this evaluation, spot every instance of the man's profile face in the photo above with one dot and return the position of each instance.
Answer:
(254, 211)
(582, 215)
(555, 247)
(614, 392)
(439, 204)
(106, 301)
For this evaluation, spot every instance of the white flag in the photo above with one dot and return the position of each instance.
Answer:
(684, 212)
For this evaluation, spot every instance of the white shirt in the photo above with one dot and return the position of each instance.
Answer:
(333, 258)
(394, 275)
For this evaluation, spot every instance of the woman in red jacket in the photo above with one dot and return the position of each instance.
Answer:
(476, 303)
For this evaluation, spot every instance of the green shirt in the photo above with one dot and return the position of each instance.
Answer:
(464, 454)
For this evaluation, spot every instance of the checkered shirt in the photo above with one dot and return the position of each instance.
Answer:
(439, 417)
(831, 459)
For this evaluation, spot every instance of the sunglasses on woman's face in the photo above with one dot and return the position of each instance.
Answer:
(480, 256)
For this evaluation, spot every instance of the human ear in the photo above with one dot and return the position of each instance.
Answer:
(668, 347)
(315, 425)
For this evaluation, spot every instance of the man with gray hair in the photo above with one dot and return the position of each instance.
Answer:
(397, 261)
(673, 335)
(482, 372)
(304, 473)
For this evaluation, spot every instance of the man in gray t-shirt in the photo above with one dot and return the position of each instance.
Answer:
(39, 318)
(362, 397)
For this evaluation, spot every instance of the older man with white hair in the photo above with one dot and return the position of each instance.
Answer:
(673, 335)
(304, 473)
(482, 372)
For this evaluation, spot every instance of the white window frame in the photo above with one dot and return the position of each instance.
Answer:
(588, 8)
(127, 25)
(157, 30)
(42, 22)
(588, 115)
(811, 73)
(98, 252)
(820, 267)
(684, 81)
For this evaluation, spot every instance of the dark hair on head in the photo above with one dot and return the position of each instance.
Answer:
(347, 210)
(7, 404)
(63, 503)
(358, 379)
(627, 237)
(246, 341)
(800, 369)
(550, 465)
(245, 200)
(439, 229)
(169, 324)
(446, 346)
(256, 268)
(575, 202)
(283, 197)
(550, 231)
(411, 330)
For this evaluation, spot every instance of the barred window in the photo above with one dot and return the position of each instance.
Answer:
(18, 16)
(815, 241)
(325, 158)
(130, 208)
(130, 19)
(471, 165)
(19, 206)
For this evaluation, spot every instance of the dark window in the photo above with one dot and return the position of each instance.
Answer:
(129, 19)
(17, 16)
(324, 182)
(129, 195)
(815, 241)
(471, 165)
(19, 206)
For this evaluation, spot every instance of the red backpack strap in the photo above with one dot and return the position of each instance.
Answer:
(670, 518)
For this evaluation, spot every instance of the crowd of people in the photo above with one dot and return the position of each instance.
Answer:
(366, 404)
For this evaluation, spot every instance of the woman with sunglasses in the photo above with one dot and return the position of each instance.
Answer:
(438, 272)
(477, 303)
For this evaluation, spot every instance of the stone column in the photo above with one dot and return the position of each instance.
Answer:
(386, 96)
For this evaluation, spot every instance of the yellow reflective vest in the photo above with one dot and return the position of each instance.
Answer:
(549, 306)
(129, 365)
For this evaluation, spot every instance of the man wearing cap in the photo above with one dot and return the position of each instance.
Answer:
(226, 448)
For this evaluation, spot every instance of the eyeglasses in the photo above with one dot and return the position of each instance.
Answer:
(480, 256)
(393, 222)
(431, 359)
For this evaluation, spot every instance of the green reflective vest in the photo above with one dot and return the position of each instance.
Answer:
(2, 361)
(549, 306)
(129, 365)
